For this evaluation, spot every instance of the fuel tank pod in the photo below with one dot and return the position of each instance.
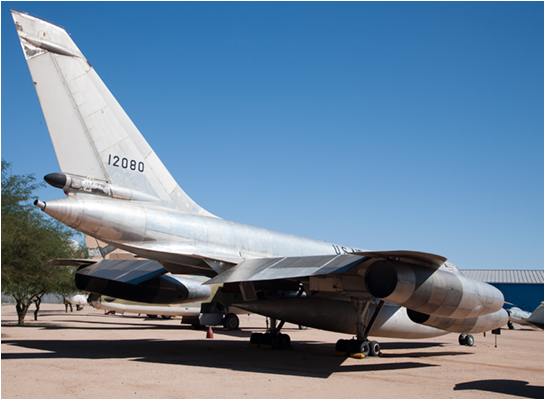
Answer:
(76, 184)
(431, 291)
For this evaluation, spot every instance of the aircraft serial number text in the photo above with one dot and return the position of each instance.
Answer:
(125, 163)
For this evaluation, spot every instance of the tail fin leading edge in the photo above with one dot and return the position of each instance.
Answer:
(91, 133)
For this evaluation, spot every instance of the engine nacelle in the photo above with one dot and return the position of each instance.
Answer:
(484, 323)
(431, 291)
(164, 289)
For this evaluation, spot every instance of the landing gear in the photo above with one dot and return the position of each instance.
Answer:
(510, 325)
(273, 338)
(466, 340)
(362, 345)
(354, 346)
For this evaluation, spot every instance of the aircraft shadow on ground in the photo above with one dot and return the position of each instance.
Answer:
(308, 359)
(149, 324)
(504, 386)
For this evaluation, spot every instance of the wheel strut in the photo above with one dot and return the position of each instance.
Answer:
(361, 345)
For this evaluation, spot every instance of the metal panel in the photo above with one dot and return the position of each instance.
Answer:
(127, 271)
(287, 267)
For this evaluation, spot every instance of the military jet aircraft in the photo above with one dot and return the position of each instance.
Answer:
(119, 192)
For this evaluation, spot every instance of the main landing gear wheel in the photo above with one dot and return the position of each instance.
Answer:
(353, 346)
(274, 340)
(231, 322)
(466, 340)
(374, 349)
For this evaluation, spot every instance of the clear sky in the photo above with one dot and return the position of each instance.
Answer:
(391, 126)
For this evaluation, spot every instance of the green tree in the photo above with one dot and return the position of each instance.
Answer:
(29, 240)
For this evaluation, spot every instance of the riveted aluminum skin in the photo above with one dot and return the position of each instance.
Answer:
(431, 291)
(145, 225)
(483, 323)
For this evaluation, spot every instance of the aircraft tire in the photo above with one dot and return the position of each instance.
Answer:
(362, 347)
(255, 338)
(462, 339)
(284, 341)
(374, 349)
(166, 316)
(231, 322)
(470, 340)
(510, 325)
(341, 346)
(151, 315)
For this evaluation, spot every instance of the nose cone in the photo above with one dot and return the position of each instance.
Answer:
(56, 180)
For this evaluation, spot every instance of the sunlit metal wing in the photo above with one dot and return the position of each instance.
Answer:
(126, 271)
(261, 269)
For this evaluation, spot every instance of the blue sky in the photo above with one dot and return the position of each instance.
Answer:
(391, 126)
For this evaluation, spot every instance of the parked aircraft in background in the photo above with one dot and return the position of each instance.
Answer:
(517, 315)
(79, 300)
(536, 319)
(119, 192)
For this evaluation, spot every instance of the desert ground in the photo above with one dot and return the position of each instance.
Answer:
(86, 354)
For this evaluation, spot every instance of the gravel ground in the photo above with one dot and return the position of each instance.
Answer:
(87, 354)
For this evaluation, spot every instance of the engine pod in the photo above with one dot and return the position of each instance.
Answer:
(431, 291)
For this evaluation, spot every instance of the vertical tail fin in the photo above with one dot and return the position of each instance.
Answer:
(91, 133)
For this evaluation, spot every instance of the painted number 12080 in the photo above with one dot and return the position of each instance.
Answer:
(125, 163)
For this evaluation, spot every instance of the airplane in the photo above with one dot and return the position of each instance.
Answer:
(118, 191)
(536, 318)
(79, 300)
(517, 315)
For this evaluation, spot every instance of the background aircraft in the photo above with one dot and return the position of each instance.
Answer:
(118, 191)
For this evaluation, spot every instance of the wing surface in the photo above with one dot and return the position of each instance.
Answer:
(260, 269)
(413, 257)
(125, 271)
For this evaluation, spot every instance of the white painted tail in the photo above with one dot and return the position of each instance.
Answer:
(92, 135)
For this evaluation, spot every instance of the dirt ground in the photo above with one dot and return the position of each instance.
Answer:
(87, 354)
